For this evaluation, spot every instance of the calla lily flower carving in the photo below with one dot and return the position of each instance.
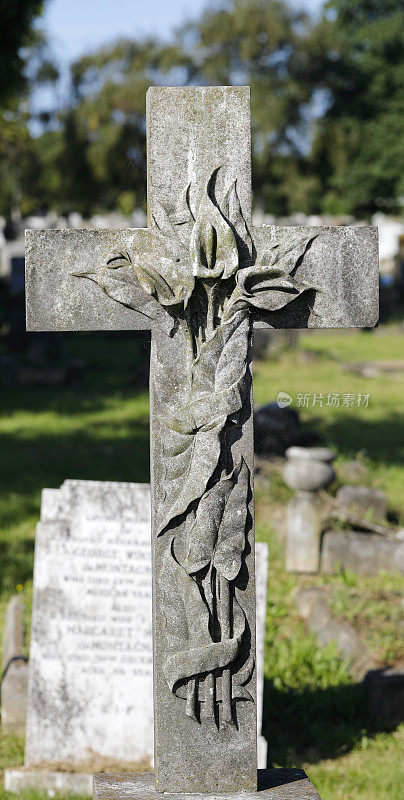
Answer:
(206, 283)
(270, 283)
(206, 244)
(213, 246)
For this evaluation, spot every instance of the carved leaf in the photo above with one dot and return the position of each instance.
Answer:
(271, 289)
(231, 209)
(191, 650)
(219, 371)
(199, 457)
(231, 536)
(187, 616)
(199, 538)
(269, 284)
(122, 285)
(184, 212)
(231, 364)
(168, 230)
(286, 256)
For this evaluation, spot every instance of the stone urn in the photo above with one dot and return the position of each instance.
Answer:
(309, 469)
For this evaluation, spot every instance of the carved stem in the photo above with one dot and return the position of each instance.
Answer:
(227, 717)
(208, 709)
(191, 696)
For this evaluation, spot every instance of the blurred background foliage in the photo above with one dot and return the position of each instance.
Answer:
(327, 107)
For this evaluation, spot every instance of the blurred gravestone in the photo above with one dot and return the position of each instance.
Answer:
(90, 670)
(362, 502)
(278, 427)
(14, 670)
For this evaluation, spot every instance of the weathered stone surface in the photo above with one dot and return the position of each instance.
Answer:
(56, 300)
(343, 261)
(48, 783)
(273, 784)
(362, 502)
(14, 670)
(53, 257)
(90, 682)
(209, 753)
(385, 692)
(261, 585)
(364, 553)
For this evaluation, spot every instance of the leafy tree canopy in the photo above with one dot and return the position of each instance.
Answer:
(358, 147)
(17, 18)
(327, 108)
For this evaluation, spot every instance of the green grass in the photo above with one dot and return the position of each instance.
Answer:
(374, 607)
(49, 434)
(376, 432)
(313, 710)
(373, 771)
(314, 714)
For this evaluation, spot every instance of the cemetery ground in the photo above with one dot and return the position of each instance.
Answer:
(315, 715)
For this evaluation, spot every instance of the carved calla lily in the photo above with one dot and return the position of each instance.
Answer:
(171, 285)
(269, 288)
(213, 247)
(270, 284)
(203, 289)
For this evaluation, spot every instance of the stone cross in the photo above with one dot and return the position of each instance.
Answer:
(200, 276)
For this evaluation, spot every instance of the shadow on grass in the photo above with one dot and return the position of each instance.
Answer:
(17, 560)
(316, 723)
(383, 439)
(32, 463)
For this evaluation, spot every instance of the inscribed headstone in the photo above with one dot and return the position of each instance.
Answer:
(90, 683)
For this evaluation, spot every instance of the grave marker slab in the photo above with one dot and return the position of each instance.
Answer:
(90, 659)
(201, 276)
(90, 668)
(14, 670)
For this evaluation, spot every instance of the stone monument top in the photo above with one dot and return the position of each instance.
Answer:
(201, 276)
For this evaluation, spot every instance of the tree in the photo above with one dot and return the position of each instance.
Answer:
(358, 147)
(262, 43)
(17, 19)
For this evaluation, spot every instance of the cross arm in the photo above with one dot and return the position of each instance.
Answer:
(58, 300)
(340, 263)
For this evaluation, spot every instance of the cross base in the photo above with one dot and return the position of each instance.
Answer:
(273, 784)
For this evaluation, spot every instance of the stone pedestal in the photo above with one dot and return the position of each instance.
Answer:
(303, 533)
(273, 784)
(307, 470)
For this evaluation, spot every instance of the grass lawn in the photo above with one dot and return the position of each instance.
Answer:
(314, 714)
